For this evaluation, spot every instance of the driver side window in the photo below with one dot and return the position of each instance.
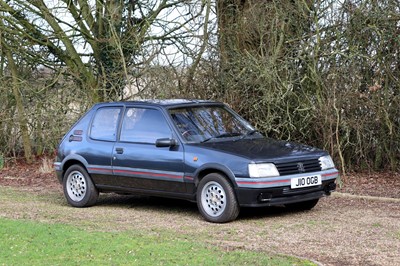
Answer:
(144, 126)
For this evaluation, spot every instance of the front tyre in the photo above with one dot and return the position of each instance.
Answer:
(216, 199)
(78, 187)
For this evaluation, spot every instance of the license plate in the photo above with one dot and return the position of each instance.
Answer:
(306, 181)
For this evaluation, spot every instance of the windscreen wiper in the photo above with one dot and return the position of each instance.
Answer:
(223, 135)
(249, 133)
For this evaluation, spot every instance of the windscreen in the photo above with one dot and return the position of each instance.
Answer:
(199, 124)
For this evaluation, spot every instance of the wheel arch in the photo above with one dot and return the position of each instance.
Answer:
(214, 168)
(72, 160)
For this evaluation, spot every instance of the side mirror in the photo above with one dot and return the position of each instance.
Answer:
(166, 142)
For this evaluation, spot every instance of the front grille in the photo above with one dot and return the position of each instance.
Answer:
(298, 167)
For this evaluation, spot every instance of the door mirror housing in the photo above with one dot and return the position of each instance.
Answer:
(166, 142)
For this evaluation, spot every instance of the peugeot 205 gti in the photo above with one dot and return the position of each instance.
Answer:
(200, 151)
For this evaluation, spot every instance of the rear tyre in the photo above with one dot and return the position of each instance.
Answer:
(302, 206)
(216, 199)
(78, 187)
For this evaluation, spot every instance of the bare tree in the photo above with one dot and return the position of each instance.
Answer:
(65, 55)
(98, 41)
(22, 119)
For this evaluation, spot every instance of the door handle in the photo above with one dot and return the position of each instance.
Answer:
(119, 150)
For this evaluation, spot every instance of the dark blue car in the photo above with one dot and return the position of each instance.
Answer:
(200, 151)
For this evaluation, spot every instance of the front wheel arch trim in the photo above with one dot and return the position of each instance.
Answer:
(214, 168)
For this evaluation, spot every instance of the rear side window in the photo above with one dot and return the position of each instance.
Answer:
(144, 126)
(104, 124)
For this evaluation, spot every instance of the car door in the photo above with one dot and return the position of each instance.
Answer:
(138, 163)
(99, 149)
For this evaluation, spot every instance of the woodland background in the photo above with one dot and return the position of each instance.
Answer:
(325, 73)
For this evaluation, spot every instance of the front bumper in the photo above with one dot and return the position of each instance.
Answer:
(278, 192)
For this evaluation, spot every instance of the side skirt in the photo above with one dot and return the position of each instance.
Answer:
(146, 192)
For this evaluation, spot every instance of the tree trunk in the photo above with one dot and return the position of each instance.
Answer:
(22, 121)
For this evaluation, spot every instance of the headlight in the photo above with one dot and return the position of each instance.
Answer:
(326, 162)
(263, 170)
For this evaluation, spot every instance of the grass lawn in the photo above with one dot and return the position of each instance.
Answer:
(25, 242)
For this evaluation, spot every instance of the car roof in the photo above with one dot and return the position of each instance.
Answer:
(166, 103)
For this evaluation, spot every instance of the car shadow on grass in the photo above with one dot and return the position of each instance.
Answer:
(265, 212)
(147, 202)
(165, 205)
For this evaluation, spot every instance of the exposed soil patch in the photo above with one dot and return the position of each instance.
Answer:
(385, 184)
(34, 176)
(340, 230)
